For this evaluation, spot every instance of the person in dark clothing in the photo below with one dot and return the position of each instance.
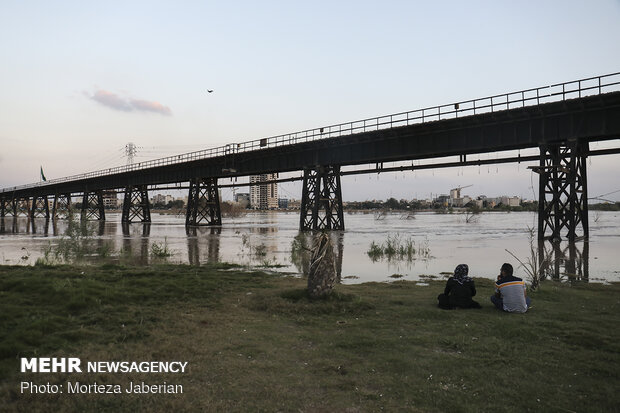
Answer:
(459, 290)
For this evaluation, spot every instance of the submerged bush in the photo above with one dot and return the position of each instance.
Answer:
(76, 244)
(161, 250)
(395, 248)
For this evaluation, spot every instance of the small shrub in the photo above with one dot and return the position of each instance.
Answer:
(161, 250)
(395, 248)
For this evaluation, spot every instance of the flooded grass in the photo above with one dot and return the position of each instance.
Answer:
(257, 342)
(257, 238)
(397, 248)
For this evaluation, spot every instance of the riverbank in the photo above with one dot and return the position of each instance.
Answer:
(254, 342)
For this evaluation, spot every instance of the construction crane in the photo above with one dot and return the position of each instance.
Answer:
(456, 192)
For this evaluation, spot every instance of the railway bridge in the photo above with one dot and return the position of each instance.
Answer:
(560, 120)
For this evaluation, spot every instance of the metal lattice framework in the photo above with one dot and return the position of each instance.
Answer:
(563, 195)
(321, 201)
(21, 206)
(203, 203)
(3, 207)
(40, 207)
(92, 206)
(8, 207)
(62, 206)
(136, 204)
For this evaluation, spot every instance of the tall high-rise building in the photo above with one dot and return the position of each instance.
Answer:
(264, 196)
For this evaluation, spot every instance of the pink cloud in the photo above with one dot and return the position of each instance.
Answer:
(111, 100)
(149, 106)
(114, 101)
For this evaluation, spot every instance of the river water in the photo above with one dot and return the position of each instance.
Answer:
(257, 239)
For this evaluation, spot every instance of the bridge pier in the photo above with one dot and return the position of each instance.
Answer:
(136, 204)
(92, 206)
(203, 203)
(61, 208)
(21, 206)
(321, 200)
(40, 207)
(562, 194)
(8, 207)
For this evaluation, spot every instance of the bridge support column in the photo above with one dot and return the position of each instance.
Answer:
(203, 203)
(563, 194)
(40, 207)
(92, 206)
(21, 206)
(321, 200)
(9, 207)
(3, 203)
(136, 204)
(62, 206)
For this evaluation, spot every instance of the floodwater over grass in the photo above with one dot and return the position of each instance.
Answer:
(426, 243)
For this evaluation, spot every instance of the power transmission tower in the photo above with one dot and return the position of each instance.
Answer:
(130, 152)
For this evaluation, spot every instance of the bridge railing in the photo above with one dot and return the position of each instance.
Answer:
(528, 97)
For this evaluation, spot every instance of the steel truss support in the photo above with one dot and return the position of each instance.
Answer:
(62, 206)
(563, 194)
(8, 207)
(92, 206)
(321, 200)
(21, 206)
(136, 204)
(40, 207)
(203, 203)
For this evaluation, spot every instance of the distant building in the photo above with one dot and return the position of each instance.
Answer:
(243, 199)
(110, 200)
(511, 200)
(283, 203)
(294, 204)
(443, 200)
(162, 199)
(264, 196)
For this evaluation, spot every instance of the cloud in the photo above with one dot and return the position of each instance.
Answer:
(148, 106)
(114, 101)
(111, 100)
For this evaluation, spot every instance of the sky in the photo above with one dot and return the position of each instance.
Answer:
(79, 80)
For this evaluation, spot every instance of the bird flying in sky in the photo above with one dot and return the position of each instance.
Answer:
(210, 90)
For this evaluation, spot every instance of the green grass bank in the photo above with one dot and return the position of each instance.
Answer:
(254, 342)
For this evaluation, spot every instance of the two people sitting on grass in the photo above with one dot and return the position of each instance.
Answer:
(459, 290)
(510, 292)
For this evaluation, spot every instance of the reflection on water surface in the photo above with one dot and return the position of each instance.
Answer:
(272, 239)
